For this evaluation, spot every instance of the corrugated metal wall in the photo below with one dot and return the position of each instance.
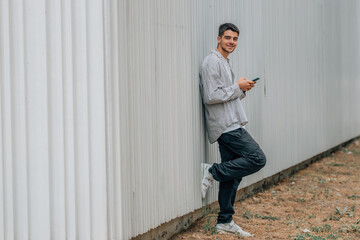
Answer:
(151, 115)
(52, 161)
(102, 130)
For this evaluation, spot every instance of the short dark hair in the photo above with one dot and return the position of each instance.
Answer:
(228, 26)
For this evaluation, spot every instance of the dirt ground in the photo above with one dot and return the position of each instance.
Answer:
(319, 202)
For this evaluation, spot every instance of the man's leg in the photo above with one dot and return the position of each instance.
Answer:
(236, 146)
(227, 189)
(226, 197)
(249, 158)
(235, 187)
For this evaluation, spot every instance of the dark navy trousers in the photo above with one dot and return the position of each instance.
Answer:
(240, 157)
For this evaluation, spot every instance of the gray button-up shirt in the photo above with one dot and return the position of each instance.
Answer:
(221, 96)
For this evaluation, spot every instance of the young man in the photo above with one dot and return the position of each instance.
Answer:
(225, 118)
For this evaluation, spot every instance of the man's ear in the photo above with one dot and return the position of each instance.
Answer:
(218, 39)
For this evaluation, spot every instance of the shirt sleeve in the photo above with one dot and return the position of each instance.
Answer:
(243, 94)
(213, 89)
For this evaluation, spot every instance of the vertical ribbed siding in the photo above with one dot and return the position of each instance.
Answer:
(306, 84)
(53, 163)
(149, 82)
(18, 119)
(55, 120)
(36, 124)
(151, 40)
(116, 114)
(102, 129)
(6, 184)
(69, 124)
(156, 138)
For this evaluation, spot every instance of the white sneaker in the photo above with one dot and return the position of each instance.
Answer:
(207, 178)
(231, 227)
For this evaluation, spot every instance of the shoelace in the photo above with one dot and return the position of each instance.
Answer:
(208, 183)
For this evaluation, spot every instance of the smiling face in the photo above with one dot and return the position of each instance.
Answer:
(227, 42)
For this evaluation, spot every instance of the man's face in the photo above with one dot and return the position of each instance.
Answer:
(228, 41)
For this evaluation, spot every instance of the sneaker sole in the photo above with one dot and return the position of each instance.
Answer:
(224, 232)
(202, 177)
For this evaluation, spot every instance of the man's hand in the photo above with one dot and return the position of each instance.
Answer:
(245, 84)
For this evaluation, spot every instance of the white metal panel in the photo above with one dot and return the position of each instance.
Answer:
(53, 161)
(36, 111)
(156, 154)
(157, 111)
(68, 118)
(96, 118)
(6, 193)
(286, 43)
(116, 99)
(102, 130)
(18, 119)
(55, 121)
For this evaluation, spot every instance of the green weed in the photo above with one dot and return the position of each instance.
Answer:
(209, 225)
(210, 220)
(354, 197)
(248, 215)
(267, 217)
(355, 228)
(325, 228)
(309, 236)
(333, 218)
(326, 192)
(322, 180)
(335, 164)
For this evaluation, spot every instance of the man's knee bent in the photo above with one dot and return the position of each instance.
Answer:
(263, 161)
(260, 159)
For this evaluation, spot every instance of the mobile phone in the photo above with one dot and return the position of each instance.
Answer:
(254, 80)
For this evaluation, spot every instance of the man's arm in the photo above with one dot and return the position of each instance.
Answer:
(214, 91)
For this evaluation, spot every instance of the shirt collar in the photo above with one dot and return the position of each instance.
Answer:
(218, 54)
